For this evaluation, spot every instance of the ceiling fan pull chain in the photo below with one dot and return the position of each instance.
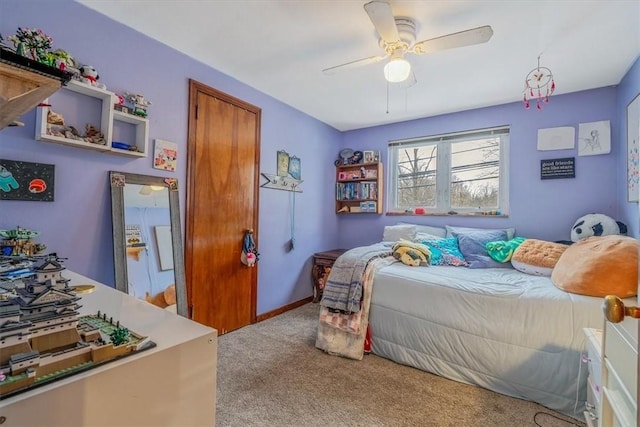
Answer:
(387, 97)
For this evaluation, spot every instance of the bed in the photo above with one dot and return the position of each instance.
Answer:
(498, 328)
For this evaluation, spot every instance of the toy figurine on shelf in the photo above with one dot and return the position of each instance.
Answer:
(89, 75)
(139, 104)
(93, 135)
(120, 104)
(62, 60)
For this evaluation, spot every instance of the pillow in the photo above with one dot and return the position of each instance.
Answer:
(511, 232)
(599, 266)
(472, 245)
(411, 253)
(393, 233)
(436, 231)
(537, 257)
(420, 236)
(502, 250)
(445, 251)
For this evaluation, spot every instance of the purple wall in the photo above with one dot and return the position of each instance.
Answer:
(78, 224)
(627, 90)
(538, 209)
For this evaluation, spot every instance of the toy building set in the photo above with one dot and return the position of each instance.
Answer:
(43, 337)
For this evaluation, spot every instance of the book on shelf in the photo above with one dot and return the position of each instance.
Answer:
(356, 190)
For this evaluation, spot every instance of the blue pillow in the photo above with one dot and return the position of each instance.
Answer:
(473, 247)
(445, 251)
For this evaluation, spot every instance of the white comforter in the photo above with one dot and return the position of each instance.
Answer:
(501, 329)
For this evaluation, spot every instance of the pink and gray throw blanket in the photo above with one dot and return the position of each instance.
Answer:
(343, 291)
(345, 334)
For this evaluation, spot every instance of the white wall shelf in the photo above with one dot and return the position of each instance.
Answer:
(107, 117)
(142, 133)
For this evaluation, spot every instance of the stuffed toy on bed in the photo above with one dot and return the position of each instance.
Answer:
(412, 254)
(596, 225)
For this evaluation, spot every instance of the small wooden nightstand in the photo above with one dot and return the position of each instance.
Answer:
(322, 263)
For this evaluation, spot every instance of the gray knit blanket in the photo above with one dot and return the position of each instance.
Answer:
(343, 290)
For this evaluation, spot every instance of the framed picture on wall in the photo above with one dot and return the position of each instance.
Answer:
(283, 163)
(26, 181)
(294, 167)
(368, 156)
(633, 133)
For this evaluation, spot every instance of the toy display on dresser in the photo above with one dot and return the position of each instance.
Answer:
(44, 336)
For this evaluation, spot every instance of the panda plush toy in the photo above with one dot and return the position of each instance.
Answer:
(596, 225)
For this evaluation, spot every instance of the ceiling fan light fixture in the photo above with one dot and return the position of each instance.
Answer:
(397, 69)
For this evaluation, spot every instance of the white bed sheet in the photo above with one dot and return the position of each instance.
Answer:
(501, 329)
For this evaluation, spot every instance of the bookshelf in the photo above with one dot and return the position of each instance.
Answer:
(359, 188)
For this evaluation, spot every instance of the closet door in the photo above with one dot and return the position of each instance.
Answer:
(222, 203)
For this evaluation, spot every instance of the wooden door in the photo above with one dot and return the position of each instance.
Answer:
(222, 203)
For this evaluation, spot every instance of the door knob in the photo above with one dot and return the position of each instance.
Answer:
(614, 309)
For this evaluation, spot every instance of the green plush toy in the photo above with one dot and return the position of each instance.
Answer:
(502, 250)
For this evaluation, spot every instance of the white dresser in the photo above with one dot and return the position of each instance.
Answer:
(620, 374)
(594, 378)
(171, 384)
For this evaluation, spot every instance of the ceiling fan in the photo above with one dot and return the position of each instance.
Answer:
(398, 37)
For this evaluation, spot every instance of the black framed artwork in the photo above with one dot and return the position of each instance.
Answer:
(26, 181)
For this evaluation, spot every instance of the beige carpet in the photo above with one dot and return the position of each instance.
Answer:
(271, 374)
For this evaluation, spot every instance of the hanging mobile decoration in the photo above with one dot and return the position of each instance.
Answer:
(538, 84)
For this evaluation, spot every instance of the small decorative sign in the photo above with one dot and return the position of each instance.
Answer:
(133, 236)
(26, 181)
(558, 168)
(165, 155)
(283, 163)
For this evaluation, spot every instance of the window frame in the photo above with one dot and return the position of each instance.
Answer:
(444, 143)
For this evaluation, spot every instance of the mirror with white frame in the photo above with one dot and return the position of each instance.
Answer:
(147, 239)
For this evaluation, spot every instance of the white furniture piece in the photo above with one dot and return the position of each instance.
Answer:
(171, 384)
(594, 379)
(107, 118)
(620, 372)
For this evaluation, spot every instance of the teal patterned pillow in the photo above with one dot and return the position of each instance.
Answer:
(445, 252)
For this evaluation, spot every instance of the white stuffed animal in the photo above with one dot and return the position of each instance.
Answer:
(596, 225)
(89, 75)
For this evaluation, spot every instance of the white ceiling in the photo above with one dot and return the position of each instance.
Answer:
(281, 47)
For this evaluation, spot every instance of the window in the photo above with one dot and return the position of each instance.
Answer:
(462, 172)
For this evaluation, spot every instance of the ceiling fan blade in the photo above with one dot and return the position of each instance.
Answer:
(451, 41)
(353, 64)
(382, 18)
